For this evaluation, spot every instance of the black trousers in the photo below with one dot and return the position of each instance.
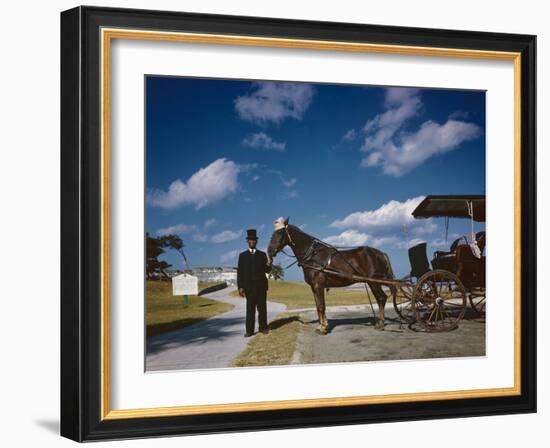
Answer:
(256, 300)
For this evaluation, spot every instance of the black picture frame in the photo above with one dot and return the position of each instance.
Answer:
(81, 202)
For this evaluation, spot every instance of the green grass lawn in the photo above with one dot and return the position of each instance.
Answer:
(275, 348)
(164, 312)
(299, 295)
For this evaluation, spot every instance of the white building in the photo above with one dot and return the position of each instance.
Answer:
(220, 274)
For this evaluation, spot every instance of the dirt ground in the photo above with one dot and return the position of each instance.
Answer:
(354, 338)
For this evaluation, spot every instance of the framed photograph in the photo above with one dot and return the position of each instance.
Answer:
(274, 223)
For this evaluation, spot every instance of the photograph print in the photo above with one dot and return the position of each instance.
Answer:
(292, 223)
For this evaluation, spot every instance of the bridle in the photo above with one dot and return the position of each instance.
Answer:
(302, 260)
(290, 242)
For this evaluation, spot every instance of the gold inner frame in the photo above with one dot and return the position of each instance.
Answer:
(107, 35)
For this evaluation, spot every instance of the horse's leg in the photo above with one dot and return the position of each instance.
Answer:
(319, 294)
(324, 320)
(381, 298)
(316, 305)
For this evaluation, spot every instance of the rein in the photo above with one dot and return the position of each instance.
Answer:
(310, 252)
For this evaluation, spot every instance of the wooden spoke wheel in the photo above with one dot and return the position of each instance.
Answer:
(477, 300)
(402, 303)
(439, 301)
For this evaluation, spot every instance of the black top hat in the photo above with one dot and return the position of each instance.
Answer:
(251, 234)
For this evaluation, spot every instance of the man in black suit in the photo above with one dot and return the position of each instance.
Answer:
(252, 283)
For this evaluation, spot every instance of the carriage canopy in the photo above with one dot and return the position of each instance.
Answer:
(452, 206)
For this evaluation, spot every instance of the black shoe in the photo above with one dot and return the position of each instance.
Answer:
(265, 331)
(247, 335)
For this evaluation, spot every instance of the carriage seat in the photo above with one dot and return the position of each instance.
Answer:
(447, 259)
(452, 250)
(418, 257)
(444, 260)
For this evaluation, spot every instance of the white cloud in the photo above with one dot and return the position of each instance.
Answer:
(200, 237)
(209, 223)
(226, 235)
(208, 185)
(261, 140)
(274, 102)
(440, 243)
(391, 214)
(395, 242)
(230, 256)
(354, 238)
(402, 104)
(396, 151)
(390, 225)
(292, 194)
(196, 233)
(289, 182)
(459, 115)
(431, 139)
(386, 241)
(350, 237)
(350, 135)
(178, 228)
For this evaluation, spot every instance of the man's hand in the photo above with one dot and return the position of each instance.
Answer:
(241, 292)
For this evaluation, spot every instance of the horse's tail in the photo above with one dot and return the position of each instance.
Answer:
(389, 270)
(389, 273)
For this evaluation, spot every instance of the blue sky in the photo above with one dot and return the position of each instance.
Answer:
(347, 163)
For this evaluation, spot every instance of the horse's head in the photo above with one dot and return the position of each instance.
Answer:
(280, 237)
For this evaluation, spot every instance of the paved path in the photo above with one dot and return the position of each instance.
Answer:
(209, 344)
(353, 338)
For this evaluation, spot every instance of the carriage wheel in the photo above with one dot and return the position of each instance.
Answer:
(439, 301)
(477, 300)
(402, 303)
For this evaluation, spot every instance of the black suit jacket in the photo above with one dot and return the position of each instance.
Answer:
(251, 271)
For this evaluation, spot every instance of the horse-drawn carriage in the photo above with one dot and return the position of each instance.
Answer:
(437, 298)
(434, 298)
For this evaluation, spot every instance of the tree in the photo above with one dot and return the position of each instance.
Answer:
(277, 272)
(154, 248)
(175, 242)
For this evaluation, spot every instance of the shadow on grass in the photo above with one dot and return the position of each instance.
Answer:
(156, 329)
(274, 325)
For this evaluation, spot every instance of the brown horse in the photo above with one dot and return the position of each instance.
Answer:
(314, 255)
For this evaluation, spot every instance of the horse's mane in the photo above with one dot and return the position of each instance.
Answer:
(302, 232)
(310, 236)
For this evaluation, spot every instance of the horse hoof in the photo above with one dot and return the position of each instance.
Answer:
(322, 331)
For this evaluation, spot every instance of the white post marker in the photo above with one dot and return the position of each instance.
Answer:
(183, 285)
